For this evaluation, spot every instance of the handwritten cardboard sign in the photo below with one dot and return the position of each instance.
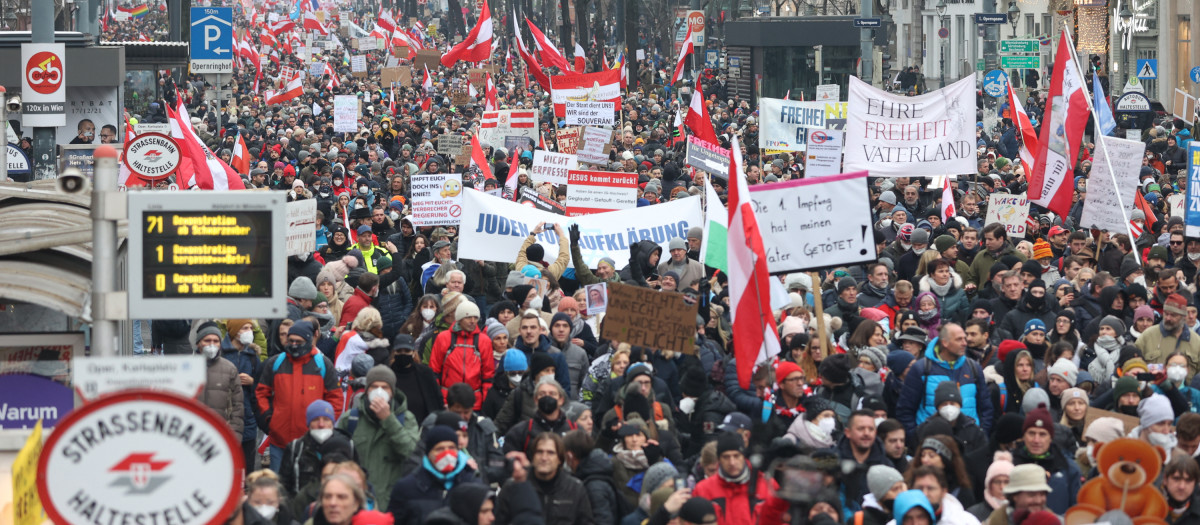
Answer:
(1102, 207)
(651, 319)
(430, 58)
(1009, 210)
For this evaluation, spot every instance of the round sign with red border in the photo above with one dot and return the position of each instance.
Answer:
(44, 72)
(141, 456)
(151, 156)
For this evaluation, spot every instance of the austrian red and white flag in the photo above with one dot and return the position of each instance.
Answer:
(508, 60)
(402, 38)
(948, 209)
(545, 47)
(594, 87)
(198, 167)
(698, 120)
(241, 156)
(334, 81)
(312, 24)
(509, 118)
(477, 47)
(532, 66)
(490, 94)
(1051, 183)
(426, 86)
(385, 20)
(479, 160)
(754, 333)
(294, 88)
(580, 59)
(281, 26)
(681, 62)
(1029, 138)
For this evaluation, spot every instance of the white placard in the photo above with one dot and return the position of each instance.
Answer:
(552, 167)
(316, 69)
(94, 376)
(302, 227)
(590, 113)
(358, 64)
(592, 192)
(1009, 210)
(436, 199)
(785, 124)
(1102, 208)
(815, 223)
(345, 113)
(824, 155)
(592, 148)
(829, 92)
(898, 136)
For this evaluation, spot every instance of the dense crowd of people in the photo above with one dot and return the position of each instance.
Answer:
(969, 375)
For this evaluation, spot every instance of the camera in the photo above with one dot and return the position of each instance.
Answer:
(13, 105)
(72, 181)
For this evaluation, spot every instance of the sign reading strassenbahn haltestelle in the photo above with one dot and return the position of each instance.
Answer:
(152, 156)
(215, 254)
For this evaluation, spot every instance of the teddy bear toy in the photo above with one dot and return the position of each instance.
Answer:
(1128, 468)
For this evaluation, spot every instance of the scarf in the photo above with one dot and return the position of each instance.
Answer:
(740, 479)
(941, 289)
(576, 327)
(880, 291)
(781, 408)
(448, 478)
(630, 459)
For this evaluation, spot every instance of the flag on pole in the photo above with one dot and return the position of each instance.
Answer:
(1051, 183)
(426, 87)
(755, 337)
(477, 47)
(479, 160)
(1106, 123)
(508, 60)
(312, 24)
(545, 48)
(294, 88)
(203, 169)
(580, 59)
(490, 94)
(241, 156)
(684, 51)
(948, 210)
(698, 120)
(1029, 139)
(716, 230)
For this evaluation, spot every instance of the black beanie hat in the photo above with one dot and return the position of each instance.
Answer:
(519, 293)
(694, 383)
(636, 403)
(730, 441)
(1008, 428)
(535, 252)
(540, 361)
(836, 368)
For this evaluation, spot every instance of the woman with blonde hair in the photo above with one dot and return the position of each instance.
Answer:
(368, 335)
(602, 369)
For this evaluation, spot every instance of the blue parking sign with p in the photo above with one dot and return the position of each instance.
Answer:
(212, 33)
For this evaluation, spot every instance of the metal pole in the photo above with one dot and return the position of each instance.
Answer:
(104, 253)
(42, 26)
(4, 139)
(867, 44)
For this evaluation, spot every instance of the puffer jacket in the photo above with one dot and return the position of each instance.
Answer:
(645, 249)
(596, 473)
(394, 302)
(916, 402)
(285, 389)
(381, 445)
(247, 362)
(458, 358)
(564, 501)
(954, 303)
(737, 503)
(301, 463)
(223, 393)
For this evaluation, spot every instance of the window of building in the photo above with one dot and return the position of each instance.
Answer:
(1183, 50)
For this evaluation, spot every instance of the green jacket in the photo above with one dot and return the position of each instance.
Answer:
(382, 446)
(981, 266)
(1156, 345)
(584, 274)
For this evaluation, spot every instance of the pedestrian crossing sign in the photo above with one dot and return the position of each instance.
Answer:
(1147, 68)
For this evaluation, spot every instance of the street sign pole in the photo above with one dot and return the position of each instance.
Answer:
(44, 157)
(868, 47)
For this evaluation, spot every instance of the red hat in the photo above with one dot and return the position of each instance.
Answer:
(1175, 304)
(1006, 346)
(1039, 418)
(1041, 517)
(1056, 229)
(784, 369)
(372, 517)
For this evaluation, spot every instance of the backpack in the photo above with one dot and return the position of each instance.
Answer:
(281, 356)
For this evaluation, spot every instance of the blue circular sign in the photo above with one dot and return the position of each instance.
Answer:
(995, 83)
(1195, 74)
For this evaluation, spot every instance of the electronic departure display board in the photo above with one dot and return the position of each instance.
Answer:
(207, 254)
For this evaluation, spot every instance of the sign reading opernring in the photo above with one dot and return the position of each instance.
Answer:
(141, 456)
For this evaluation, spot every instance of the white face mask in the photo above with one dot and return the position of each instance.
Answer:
(1176, 373)
(687, 405)
(879, 421)
(395, 216)
(536, 303)
(1166, 441)
(210, 351)
(919, 251)
(826, 425)
(1141, 279)
(950, 412)
(1193, 256)
(246, 337)
(321, 434)
(905, 245)
(380, 394)
(516, 378)
(886, 223)
(337, 183)
(266, 511)
(428, 313)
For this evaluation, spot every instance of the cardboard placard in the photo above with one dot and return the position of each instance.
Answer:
(430, 58)
(568, 140)
(648, 318)
(389, 75)
(450, 144)
(478, 77)
(400, 51)
(1093, 414)
(460, 97)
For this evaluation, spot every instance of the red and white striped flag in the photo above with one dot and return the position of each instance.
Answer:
(295, 88)
(426, 86)
(948, 209)
(281, 26)
(509, 118)
(551, 56)
(1029, 138)
(203, 169)
(241, 156)
(580, 59)
(490, 94)
(478, 159)
(477, 46)
(312, 24)
(385, 20)
(684, 51)
(1050, 183)
(333, 78)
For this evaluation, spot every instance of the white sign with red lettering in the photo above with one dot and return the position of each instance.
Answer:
(591, 192)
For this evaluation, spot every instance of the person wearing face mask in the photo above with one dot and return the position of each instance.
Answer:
(701, 410)
(1177, 379)
(1033, 305)
(512, 367)
(884, 483)
(1171, 335)
(288, 383)
(814, 428)
(1107, 348)
(264, 501)
(1156, 423)
(966, 431)
(303, 457)
(239, 348)
(550, 398)
(415, 380)
(906, 267)
(443, 467)
(223, 389)
(384, 432)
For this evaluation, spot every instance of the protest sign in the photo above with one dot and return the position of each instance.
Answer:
(345, 113)
(591, 192)
(1175, 205)
(316, 69)
(493, 229)
(590, 113)
(708, 158)
(601, 85)
(1191, 217)
(358, 64)
(596, 299)
(390, 75)
(829, 92)
(815, 223)
(436, 199)
(450, 144)
(496, 125)
(824, 153)
(785, 124)
(478, 77)
(301, 227)
(430, 58)
(594, 145)
(897, 136)
(530, 197)
(552, 167)
(650, 319)
(1009, 210)
(1104, 202)
(568, 140)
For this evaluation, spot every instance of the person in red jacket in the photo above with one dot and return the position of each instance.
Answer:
(463, 354)
(364, 293)
(737, 489)
(290, 381)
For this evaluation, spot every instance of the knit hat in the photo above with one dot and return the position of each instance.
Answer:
(677, 244)
(515, 360)
(938, 447)
(1034, 324)
(302, 288)
(1134, 363)
(531, 271)
(1117, 325)
(560, 317)
(515, 278)
(1175, 304)
(1039, 418)
(697, 510)
(540, 361)
(1034, 397)
(814, 406)
(316, 409)
(1008, 428)
(791, 325)
(898, 361)
(944, 242)
(846, 282)
(233, 326)
(494, 329)
(361, 365)
(1143, 311)
(635, 404)
(730, 441)
(464, 310)
(1105, 429)
(1125, 385)
(694, 382)
(1073, 393)
(785, 369)
(920, 236)
(450, 419)
(947, 392)
(302, 329)
(519, 293)
(1154, 409)
(608, 261)
(881, 479)
(1032, 267)
(1065, 369)
(1006, 346)
(439, 434)
(836, 369)
(568, 302)
(381, 373)
(658, 474)
(1041, 250)
(695, 232)
(876, 354)
(207, 329)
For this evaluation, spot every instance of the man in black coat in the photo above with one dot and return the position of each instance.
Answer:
(414, 378)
